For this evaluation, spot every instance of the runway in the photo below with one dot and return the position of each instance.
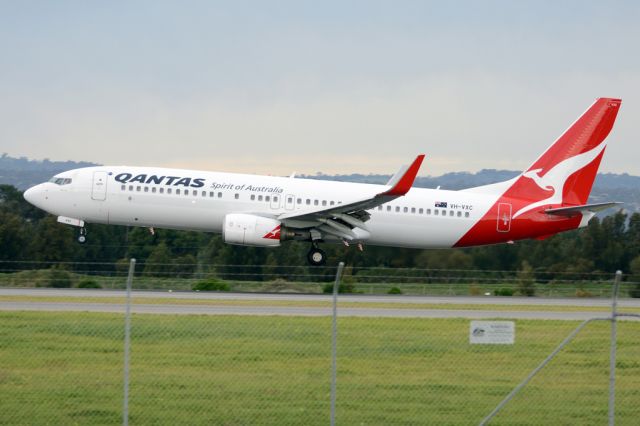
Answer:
(264, 309)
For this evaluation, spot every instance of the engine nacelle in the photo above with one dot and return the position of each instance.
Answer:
(250, 230)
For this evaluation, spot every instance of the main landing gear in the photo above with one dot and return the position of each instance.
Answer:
(316, 257)
(82, 236)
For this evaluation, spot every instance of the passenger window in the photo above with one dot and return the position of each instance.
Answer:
(204, 193)
(466, 214)
(162, 190)
(406, 209)
(436, 212)
(428, 211)
(451, 213)
(420, 211)
(259, 197)
(324, 202)
(146, 189)
(388, 208)
(275, 199)
(397, 209)
(123, 187)
(219, 194)
(267, 198)
(212, 194)
(168, 190)
(236, 196)
(138, 188)
(186, 192)
(130, 187)
(315, 202)
(459, 214)
(253, 197)
(332, 203)
(177, 192)
(413, 209)
(153, 189)
(379, 207)
(299, 200)
(308, 201)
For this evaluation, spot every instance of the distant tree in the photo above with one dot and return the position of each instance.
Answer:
(159, 261)
(526, 280)
(635, 277)
(13, 238)
(184, 266)
(52, 241)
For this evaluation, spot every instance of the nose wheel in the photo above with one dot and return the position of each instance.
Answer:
(82, 236)
(316, 257)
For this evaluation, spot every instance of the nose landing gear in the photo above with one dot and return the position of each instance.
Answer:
(82, 236)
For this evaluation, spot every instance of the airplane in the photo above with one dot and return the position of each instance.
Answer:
(549, 197)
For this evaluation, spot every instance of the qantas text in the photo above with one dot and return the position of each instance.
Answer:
(158, 180)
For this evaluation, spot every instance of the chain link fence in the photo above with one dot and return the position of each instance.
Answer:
(223, 357)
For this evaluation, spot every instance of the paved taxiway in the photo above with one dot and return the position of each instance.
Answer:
(267, 309)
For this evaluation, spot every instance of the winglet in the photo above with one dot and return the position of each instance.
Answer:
(402, 183)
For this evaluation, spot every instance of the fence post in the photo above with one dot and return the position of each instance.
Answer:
(334, 343)
(612, 357)
(127, 344)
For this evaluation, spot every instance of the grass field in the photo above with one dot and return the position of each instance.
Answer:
(66, 368)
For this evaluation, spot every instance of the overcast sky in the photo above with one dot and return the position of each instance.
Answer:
(331, 86)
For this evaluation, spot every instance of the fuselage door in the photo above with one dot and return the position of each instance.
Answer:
(504, 217)
(99, 187)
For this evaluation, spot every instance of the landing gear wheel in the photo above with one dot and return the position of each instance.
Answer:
(316, 257)
(82, 238)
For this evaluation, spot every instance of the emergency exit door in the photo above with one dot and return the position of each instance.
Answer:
(99, 187)
(504, 217)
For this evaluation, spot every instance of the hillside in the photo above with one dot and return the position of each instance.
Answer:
(23, 173)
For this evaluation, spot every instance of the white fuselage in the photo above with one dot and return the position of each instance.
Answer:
(199, 201)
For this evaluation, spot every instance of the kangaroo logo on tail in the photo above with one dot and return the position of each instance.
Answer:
(555, 178)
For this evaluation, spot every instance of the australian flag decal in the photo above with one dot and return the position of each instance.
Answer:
(441, 204)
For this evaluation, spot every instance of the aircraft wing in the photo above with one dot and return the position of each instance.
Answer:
(340, 220)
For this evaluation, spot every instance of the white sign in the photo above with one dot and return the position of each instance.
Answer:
(492, 332)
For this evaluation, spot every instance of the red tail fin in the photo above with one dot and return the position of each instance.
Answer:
(564, 174)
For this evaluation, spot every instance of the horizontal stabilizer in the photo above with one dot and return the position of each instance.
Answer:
(571, 211)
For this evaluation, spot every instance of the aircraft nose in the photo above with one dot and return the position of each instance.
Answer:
(33, 195)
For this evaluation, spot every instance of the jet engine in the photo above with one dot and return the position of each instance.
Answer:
(251, 230)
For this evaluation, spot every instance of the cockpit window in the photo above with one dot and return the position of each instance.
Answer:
(60, 181)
